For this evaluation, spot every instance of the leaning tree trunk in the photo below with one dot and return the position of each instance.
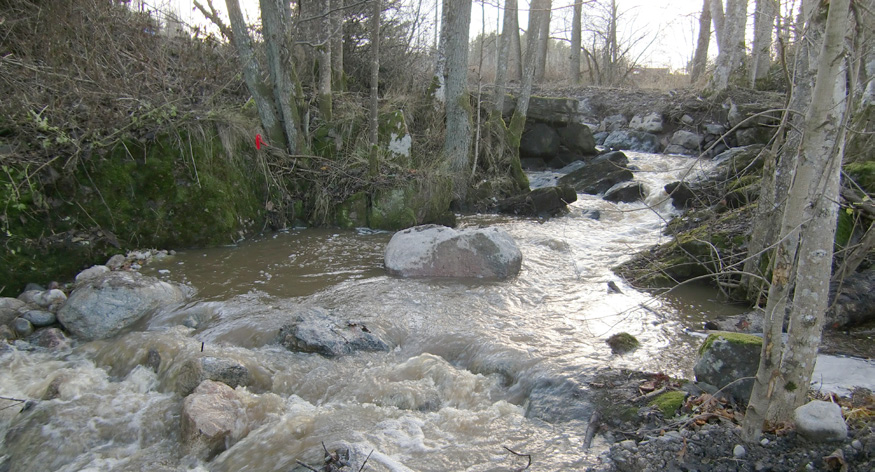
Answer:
(457, 141)
(574, 63)
(763, 21)
(274, 17)
(515, 60)
(804, 253)
(261, 94)
(700, 59)
(543, 41)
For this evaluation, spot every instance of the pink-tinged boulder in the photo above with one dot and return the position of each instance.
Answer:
(439, 251)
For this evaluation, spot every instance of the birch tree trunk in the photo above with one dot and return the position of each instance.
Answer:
(763, 21)
(804, 254)
(543, 41)
(275, 15)
(574, 64)
(508, 28)
(458, 135)
(731, 44)
(700, 59)
(522, 106)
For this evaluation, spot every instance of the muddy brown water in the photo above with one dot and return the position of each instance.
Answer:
(450, 396)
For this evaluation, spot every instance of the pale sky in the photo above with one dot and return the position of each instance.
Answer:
(674, 23)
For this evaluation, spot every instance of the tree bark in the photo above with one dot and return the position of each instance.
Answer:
(731, 44)
(440, 67)
(574, 64)
(458, 135)
(515, 61)
(718, 18)
(337, 20)
(804, 254)
(522, 107)
(543, 41)
(700, 59)
(375, 73)
(763, 21)
(275, 15)
(508, 28)
(324, 55)
(261, 94)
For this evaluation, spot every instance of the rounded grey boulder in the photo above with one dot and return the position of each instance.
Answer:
(439, 251)
(820, 421)
(101, 307)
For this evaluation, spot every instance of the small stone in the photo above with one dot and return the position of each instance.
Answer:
(6, 333)
(40, 318)
(687, 120)
(738, 451)
(629, 445)
(856, 444)
(92, 272)
(764, 442)
(22, 327)
(50, 338)
(116, 262)
(153, 360)
(820, 421)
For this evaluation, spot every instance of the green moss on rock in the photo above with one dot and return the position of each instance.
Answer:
(622, 343)
(669, 402)
(733, 338)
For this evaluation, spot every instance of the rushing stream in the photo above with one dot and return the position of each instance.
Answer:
(457, 388)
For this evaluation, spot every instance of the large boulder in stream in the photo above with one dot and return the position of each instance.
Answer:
(626, 192)
(439, 251)
(103, 306)
(228, 371)
(577, 138)
(599, 175)
(539, 141)
(315, 330)
(545, 201)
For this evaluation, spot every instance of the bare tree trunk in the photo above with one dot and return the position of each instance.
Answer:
(440, 68)
(324, 55)
(610, 54)
(508, 29)
(779, 165)
(700, 59)
(731, 41)
(261, 94)
(543, 41)
(718, 18)
(804, 254)
(337, 20)
(275, 15)
(375, 73)
(457, 141)
(522, 107)
(763, 21)
(574, 64)
(515, 61)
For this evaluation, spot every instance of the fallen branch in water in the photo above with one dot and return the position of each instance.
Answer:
(591, 428)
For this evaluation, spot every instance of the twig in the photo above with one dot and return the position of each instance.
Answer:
(305, 465)
(527, 456)
(366, 461)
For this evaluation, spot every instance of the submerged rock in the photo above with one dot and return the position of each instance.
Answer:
(545, 201)
(314, 330)
(50, 338)
(101, 307)
(622, 343)
(560, 401)
(209, 417)
(439, 251)
(727, 357)
(820, 421)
